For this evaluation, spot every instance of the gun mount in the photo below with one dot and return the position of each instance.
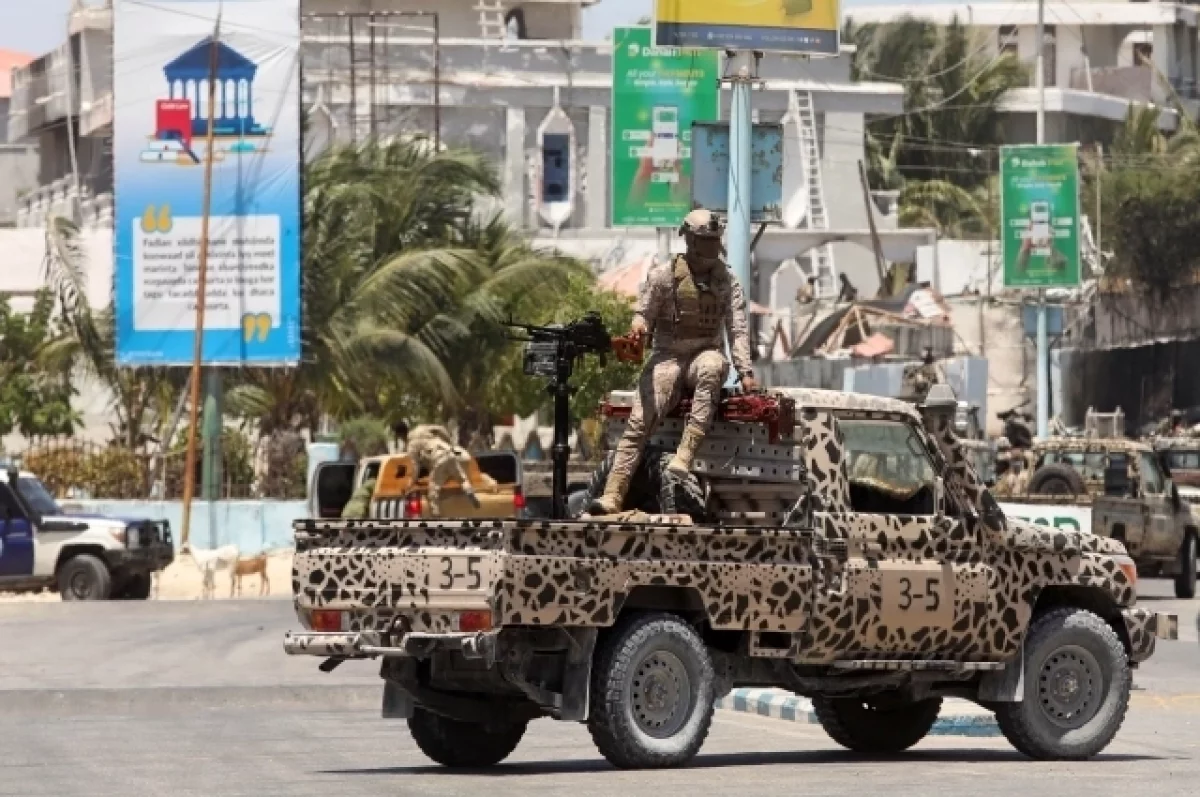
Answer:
(551, 352)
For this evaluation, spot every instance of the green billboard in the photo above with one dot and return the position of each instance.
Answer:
(657, 93)
(1039, 215)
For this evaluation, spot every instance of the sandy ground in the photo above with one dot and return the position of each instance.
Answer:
(182, 581)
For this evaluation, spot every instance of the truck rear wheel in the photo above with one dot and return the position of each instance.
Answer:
(1185, 580)
(458, 744)
(874, 727)
(652, 693)
(84, 577)
(1077, 684)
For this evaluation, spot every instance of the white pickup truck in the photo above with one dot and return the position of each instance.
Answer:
(83, 557)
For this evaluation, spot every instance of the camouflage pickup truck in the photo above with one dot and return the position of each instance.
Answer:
(876, 589)
(1131, 496)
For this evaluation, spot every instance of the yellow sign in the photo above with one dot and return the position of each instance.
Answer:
(795, 26)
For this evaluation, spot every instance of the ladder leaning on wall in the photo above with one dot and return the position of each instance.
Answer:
(491, 19)
(820, 258)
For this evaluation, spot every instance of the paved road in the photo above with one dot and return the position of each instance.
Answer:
(192, 698)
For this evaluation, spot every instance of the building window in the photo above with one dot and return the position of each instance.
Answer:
(556, 167)
(1143, 53)
(1008, 40)
(1049, 67)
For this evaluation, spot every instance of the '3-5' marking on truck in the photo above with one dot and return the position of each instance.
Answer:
(460, 568)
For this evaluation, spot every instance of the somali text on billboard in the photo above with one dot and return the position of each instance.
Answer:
(657, 93)
(163, 52)
(1039, 215)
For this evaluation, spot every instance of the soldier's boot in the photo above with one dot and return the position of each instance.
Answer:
(613, 499)
(681, 463)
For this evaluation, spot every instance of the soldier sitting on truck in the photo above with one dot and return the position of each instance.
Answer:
(432, 449)
(684, 306)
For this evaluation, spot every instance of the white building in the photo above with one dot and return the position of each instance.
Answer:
(1099, 58)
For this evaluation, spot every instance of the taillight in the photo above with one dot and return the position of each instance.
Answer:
(518, 499)
(475, 621)
(412, 507)
(328, 620)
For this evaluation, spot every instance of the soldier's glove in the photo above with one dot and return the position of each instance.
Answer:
(629, 349)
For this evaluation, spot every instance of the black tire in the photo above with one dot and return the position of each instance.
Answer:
(136, 587)
(1056, 479)
(1185, 580)
(875, 727)
(457, 744)
(652, 697)
(653, 489)
(1075, 651)
(84, 577)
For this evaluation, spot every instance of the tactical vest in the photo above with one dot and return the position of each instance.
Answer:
(699, 306)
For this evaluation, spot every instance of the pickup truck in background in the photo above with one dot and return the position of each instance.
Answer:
(401, 487)
(82, 557)
(1159, 529)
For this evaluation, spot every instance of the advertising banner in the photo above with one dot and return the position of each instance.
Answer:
(710, 184)
(1067, 518)
(657, 93)
(164, 54)
(790, 26)
(1039, 215)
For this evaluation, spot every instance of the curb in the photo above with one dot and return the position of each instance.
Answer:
(781, 705)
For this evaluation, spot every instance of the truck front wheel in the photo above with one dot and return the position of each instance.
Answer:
(467, 745)
(1185, 581)
(652, 695)
(874, 727)
(84, 577)
(1077, 684)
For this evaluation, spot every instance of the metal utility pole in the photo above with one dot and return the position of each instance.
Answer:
(189, 473)
(742, 73)
(1043, 345)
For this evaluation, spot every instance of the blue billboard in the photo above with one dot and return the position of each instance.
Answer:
(165, 53)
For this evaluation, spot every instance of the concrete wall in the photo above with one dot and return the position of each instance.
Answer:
(252, 526)
(18, 174)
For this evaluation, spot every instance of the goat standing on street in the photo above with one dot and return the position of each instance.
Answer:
(210, 560)
(249, 566)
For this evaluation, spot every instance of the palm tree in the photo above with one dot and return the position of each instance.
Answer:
(140, 397)
(952, 98)
(399, 298)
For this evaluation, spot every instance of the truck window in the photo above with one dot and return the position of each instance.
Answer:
(888, 468)
(37, 497)
(1153, 481)
(9, 502)
(1183, 460)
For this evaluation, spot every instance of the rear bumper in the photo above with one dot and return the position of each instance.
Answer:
(368, 644)
(1145, 628)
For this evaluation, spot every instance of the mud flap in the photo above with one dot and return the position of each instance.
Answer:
(577, 675)
(1007, 685)
(397, 703)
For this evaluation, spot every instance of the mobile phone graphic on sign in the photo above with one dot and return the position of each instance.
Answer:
(1039, 226)
(664, 149)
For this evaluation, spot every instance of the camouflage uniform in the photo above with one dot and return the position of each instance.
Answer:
(684, 305)
(360, 503)
(432, 449)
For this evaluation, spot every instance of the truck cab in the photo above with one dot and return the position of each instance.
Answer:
(82, 557)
